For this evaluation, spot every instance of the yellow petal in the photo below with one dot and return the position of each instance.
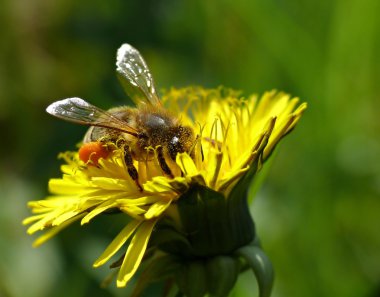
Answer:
(229, 179)
(98, 210)
(32, 219)
(52, 202)
(53, 231)
(112, 184)
(44, 222)
(138, 201)
(159, 184)
(186, 163)
(135, 252)
(215, 163)
(64, 187)
(133, 211)
(64, 217)
(157, 208)
(116, 244)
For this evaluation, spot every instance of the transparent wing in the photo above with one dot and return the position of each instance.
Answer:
(135, 76)
(81, 112)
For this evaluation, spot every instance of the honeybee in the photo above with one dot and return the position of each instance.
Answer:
(148, 125)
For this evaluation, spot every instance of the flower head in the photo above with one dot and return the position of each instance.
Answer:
(197, 216)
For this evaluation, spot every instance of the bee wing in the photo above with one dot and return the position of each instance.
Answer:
(81, 112)
(135, 76)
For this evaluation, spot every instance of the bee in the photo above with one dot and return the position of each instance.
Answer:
(134, 129)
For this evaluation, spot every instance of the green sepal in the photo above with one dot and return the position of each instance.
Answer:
(192, 279)
(222, 273)
(261, 266)
(214, 225)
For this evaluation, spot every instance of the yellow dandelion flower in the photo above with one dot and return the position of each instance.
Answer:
(186, 196)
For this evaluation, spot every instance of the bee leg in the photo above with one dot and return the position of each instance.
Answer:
(132, 171)
(161, 160)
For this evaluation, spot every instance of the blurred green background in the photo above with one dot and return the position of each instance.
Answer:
(318, 212)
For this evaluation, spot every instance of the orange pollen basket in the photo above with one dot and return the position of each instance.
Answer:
(91, 152)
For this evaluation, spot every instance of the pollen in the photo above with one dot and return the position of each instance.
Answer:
(91, 152)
